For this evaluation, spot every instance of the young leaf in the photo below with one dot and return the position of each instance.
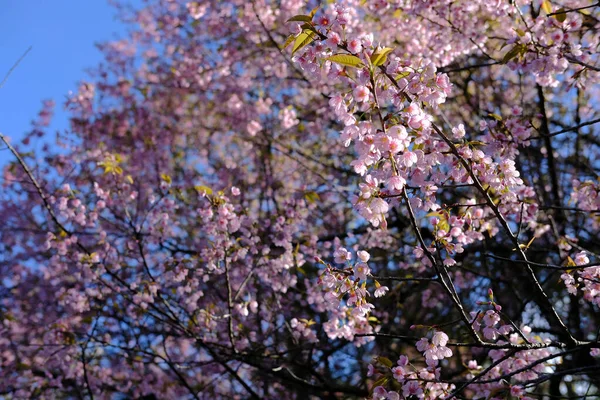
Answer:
(346, 59)
(300, 18)
(385, 361)
(560, 15)
(313, 12)
(379, 56)
(512, 53)
(402, 74)
(381, 381)
(373, 319)
(166, 178)
(547, 7)
(302, 40)
(203, 189)
(288, 41)
(310, 27)
(311, 197)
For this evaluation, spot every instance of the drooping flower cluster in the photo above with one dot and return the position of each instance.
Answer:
(347, 295)
(585, 279)
(415, 381)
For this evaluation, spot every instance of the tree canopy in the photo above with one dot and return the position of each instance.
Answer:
(386, 199)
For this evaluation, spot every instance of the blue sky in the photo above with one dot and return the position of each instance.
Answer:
(62, 34)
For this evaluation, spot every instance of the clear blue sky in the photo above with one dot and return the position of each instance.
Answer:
(62, 34)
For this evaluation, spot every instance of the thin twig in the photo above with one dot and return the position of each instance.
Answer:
(15, 65)
(35, 183)
(574, 9)
(569, 129)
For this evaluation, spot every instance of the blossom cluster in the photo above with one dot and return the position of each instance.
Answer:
(349, 284)
(585, 279)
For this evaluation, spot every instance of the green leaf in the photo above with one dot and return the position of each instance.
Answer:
(519, 49)
(22, 366)
(302, 40)
(204, 189)
(311, 197)
(166, 178)
(381, 381)
(144, 91)
(300, 18)
(288, 41)
(309, 27)
(495, 116)
(570, 263)
(474, 143)
(435, 214)
(346, 59)
(314, 11)
(561, 15)
(373, 318)
(69, 338)
(385, 361)
(379, 57)
(547, 7)
(402, 74)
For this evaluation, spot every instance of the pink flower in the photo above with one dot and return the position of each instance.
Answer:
(337, 104)
(412, 388)
(253, 128)
(371, 370)
(355, 46)
(439, 338)
(195, 9)
(381, 291)
(379, 206)
(393, 396)
(396, 183)
(408, 158)
(342, 14)
(342, 255)
(333, 40)
(399, 373)
(324, 21)
(363, 255)
(399, 131)
(361, 93)
(402, 361)
(433, 351)
(379, 393)
(458, 132)
(516, 391)
(422, 344)
(288, 118)
(490, 333)
(449, 262)
(491, 318)
(361, 270)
